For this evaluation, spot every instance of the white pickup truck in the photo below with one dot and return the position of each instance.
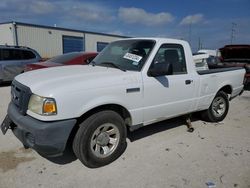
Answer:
(131, 83)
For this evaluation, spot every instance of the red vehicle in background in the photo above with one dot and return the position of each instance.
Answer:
(73, 58)
(237, 56)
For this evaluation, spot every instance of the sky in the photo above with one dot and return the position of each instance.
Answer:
(204, 23)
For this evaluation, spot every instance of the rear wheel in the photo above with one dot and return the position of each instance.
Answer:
(100, 139)
(218, 109)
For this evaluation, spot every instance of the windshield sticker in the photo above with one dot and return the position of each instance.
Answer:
(132, 57)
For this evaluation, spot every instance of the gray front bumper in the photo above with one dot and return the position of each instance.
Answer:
(47, 138)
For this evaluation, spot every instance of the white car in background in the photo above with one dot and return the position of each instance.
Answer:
(200, 61)
(207, 59)
(215, 53)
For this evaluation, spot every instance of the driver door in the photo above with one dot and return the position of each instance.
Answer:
(168, 95)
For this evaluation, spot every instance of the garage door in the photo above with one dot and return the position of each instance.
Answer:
(73, 44)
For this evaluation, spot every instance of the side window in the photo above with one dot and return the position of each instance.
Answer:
(11, 54)
(5, 54)
(172, 54)
(28, 54)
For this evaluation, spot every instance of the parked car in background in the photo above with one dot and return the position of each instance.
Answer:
(213, 58)
(210, 52)
(237, 56)
(200, 61)
(13, 59)
(73, 58)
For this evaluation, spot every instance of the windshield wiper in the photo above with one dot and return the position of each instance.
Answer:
(113, 65)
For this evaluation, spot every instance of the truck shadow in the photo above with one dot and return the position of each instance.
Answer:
(160, 127)
(68, 156)
(247, 87)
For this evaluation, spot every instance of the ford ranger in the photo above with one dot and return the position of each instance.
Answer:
(130, 84)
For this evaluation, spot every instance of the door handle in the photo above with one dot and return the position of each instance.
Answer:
(188, 82)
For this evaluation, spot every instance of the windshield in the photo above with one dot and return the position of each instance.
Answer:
(65, 58)
(125, 55)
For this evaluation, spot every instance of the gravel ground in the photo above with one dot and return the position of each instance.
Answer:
(159, 155)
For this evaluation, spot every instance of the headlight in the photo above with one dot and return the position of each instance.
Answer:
(42, 105)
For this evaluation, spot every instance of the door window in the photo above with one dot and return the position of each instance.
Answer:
(16, 54)
(11, 54)
(172, 54)
(28, 54)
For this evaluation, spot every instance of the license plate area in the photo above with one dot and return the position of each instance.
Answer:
(5, 124)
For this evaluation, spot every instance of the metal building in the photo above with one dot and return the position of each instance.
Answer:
(51, 41)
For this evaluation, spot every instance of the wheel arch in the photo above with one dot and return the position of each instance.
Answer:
(209, 115)
(227, 89)
(121, 110)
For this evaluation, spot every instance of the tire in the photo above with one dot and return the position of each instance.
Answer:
(218, 108)
(100, 139)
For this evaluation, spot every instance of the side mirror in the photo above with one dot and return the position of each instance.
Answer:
(160, 69)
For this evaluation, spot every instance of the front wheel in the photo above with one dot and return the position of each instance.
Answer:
(218, 109)
(101, 139)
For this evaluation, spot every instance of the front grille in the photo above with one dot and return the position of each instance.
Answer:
(20, 95)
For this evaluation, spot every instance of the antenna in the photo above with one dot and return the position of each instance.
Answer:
(199, 44)
(233, 30)
(190, 32)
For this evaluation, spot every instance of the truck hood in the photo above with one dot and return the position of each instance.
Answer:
(236, 53)
(35, 66)
(74, 78)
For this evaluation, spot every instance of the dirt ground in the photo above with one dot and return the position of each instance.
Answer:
(161, 155)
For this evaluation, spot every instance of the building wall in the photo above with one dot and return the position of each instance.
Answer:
(92, 39)
(46, 41)
(6, 34)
